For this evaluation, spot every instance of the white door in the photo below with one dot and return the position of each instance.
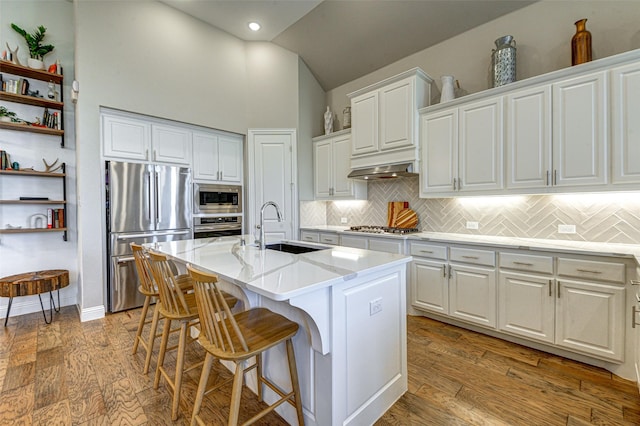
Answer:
(480, 155)
(342, 186)
(439, 146)
(528, 139)
(272, 177)
(205, 157)
(125, 137)
(625, 123)
(171, 144)
(579, 130)
(397, 104)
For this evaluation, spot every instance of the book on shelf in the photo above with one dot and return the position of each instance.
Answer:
(49, 218)
(61, 218)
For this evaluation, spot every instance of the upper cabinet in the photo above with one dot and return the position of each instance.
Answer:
(331, 167)
(385, 119)
(217, 157)
(560, 131)
(170, 144)
(462, 149)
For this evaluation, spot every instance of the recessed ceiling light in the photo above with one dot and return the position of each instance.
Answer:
(254, 26)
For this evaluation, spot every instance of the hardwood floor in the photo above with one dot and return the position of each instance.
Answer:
(73, 373)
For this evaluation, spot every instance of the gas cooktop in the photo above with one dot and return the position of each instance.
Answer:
(374, 229)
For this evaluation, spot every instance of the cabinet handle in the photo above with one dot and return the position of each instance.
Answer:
(550, 284)
(470, 257)
(589, 271)
(558, 288)
(426, 251)
(454, 183)
(555, 177)
(548, 177)
(634, 311)
(635, 282)
(459, 184)
(522, 263)
(444, 271)
(449, 271)
(155, 155)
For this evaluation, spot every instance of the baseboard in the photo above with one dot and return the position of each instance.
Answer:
(93, 313)
(29, 304)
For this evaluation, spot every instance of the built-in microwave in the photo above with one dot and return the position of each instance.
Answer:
(212, 198)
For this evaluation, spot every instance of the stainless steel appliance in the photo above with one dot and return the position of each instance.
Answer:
(375, 229)
(145, 203)
(205, 227)
(217, 199)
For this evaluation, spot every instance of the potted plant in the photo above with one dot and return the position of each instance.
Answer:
(6, 115)
(34, 42)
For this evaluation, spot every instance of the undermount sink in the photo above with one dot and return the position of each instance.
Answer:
(293, 248)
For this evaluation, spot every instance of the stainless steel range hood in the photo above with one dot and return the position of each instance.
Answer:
(383, 172)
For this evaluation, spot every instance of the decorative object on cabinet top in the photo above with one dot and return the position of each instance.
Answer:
(328, 121)
(581, 44)
(503, 61)
(447, 92)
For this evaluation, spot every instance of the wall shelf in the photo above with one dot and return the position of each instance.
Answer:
(27, 230)
(31, 100)
(11, 68)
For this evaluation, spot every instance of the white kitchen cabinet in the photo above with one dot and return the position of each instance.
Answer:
(320, 237)
(310, 236)
(217, 157)
(170, 144)
(331, 166)
(354, 241)
(462, 149)
(428, 278)
(125, 137)
(385, 119)
(580, 137)
(625, 124)
(388, 245)
(528, 138)
(590, 318)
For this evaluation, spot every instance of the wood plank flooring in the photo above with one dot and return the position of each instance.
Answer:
(73, 373)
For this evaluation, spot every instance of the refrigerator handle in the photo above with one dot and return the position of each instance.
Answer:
(156, 195)
(148, 174)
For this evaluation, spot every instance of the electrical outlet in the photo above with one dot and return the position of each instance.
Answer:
(472, 225)
(566, 229)
(375, 306)
(343, 220)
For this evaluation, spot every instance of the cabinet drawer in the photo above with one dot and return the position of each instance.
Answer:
(313, 237)
(428, 250)
(592, 270)
(526, 262)
(387, 246)
(330, 239)
(476, 257)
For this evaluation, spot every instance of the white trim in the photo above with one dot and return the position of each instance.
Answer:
(93, 313)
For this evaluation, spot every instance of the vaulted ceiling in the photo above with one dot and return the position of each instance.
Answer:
(341, 40)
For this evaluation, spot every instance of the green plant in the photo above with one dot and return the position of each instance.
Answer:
(34, 41)
(4, 112)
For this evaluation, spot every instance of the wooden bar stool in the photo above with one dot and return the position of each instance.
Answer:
(175, 305)
(149, 289)
(237, 338)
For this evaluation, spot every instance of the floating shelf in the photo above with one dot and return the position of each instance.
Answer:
(30, 100)
(32, 129)
(33, 202)
(11, 68)
(26, 230)
(32, 173)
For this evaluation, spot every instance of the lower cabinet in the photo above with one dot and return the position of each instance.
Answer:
(472, 294)
(430, 285)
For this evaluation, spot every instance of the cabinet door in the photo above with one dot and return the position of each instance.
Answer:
(342, 187)
(625, 125)
(231, 159)
(528, 144)
(579, 131)
(472, 295)
(171, 144)
(125, 137)
(322, 169)
(526, 305)
(205, 156)
(480, 144)
(590, 318)
(439, 146)
(364, 118)
(397, 103)
(429, 286)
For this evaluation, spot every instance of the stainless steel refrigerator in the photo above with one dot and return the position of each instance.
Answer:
(145, 203)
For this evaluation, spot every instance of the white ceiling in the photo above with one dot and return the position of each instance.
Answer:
(341, 40)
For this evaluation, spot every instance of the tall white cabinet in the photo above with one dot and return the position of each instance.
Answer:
(331, 166)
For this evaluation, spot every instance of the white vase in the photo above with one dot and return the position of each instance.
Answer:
(35, 64)
(447, 88)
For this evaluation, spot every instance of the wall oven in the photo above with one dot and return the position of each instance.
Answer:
(217, 199)
(206, 227)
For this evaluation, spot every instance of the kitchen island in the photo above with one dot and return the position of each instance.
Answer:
(351, 306)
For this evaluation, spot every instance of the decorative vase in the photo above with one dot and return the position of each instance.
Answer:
(447, 88)
(503, 61)
(328, 121)
(346, 118)
(35, 64)
(581, 44)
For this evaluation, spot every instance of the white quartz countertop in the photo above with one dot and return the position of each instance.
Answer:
(278, 275)
(559, 246)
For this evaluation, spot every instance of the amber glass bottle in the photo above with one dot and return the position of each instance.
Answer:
(581, 44)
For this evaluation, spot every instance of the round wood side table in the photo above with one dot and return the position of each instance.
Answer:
(31, 283)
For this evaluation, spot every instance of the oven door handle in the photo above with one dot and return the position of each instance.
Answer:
(202, 228)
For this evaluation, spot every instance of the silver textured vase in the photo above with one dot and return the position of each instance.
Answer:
(503, 61)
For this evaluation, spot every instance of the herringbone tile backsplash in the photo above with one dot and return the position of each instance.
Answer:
(610, 217)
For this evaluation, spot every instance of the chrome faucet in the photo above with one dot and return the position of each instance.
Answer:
(261, 242)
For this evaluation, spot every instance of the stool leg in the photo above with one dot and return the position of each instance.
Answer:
(8, 310)
(182, 343)
(152, 338)
(259, 375)
(202, 387)
(236, 394)
(163, 348)
(50, 309)
(294, 381)
(143, 317)
(54, 306)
